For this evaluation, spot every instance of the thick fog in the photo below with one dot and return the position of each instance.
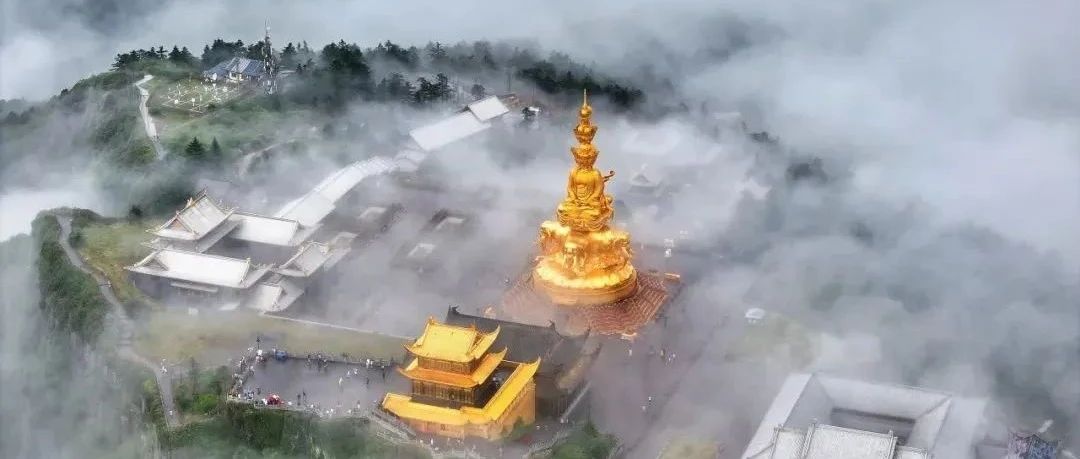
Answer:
(968, 105)
(941, 250)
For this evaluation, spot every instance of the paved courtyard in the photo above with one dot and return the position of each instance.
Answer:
(326, 388)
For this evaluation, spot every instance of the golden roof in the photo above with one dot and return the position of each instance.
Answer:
(509, 391)
(451, 343)
(487, 366)
(402, 405)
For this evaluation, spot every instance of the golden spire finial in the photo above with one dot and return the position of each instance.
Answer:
(585, 130)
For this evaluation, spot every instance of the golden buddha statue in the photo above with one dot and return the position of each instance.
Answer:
(582, 260)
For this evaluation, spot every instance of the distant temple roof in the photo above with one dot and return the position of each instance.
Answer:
(311, 208)
(823, 441)
(250, 68)
(640, 179)
(473, 119)
(1030, 446)
(315, 255)
(941, 425)
(271, 230)
(198, 218)
(409, 160)
(201, 268)
(452, 343)
(273, 296)
(488, 108)
(447, 131)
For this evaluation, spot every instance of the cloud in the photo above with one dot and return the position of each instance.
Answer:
(949, 130)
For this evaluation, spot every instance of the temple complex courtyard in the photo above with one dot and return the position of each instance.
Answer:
(321, 387)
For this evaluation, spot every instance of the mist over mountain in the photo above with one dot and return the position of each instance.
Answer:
(911, 187)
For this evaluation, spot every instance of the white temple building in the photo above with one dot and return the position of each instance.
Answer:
(197, 227)
(474, 118)
(190, 259)
(206, 248)
(196, 273)
(817, 416)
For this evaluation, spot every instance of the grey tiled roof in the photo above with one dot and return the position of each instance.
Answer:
(524, 342)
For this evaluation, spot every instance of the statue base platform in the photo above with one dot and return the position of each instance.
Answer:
(524, 303)
(568, 296)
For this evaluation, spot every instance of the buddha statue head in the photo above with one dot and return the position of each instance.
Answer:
(584, 155)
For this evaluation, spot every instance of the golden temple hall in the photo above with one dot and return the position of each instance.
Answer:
(460, 388)
(583, 278)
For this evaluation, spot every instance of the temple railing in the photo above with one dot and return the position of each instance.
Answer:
(539, 448)
(390, 423)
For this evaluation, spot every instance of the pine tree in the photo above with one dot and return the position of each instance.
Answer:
(195, 149)
(215, 150)
(478, 92)
(187, 58)
(442, 87)
(288, 55)
(436, 52)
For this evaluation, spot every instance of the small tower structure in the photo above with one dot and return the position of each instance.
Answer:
(460, 388)
(269, 80)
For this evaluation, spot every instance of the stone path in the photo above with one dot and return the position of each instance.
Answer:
(148, 121)
(125, 325)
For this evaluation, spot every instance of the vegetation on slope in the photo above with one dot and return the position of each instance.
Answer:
(243, 431)
(585, 443)
(108, 245)
(59, 372)
(70, 297)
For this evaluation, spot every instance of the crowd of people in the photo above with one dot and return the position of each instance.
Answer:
(355, 369)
